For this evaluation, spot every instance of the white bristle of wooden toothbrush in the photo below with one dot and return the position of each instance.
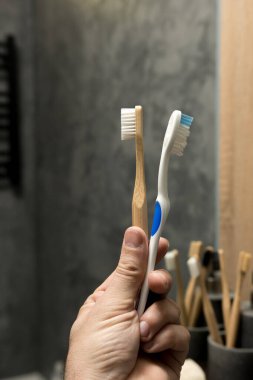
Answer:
(128, 123)
(170, 260)
(193, 267)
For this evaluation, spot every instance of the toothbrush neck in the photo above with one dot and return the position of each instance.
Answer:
(140, 173)
(163, 175)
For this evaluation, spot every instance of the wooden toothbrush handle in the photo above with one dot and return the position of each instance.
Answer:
(180, 292)
(140, 214)
(226, 306)
(235, 310)
(197, 301)
(243, 267)
(209, 312)
(139, 202)
(189, 295)
(195, 250)
(211, 321)
(196, 307)
(234, 322)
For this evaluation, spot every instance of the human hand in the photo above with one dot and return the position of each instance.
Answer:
(108, 340)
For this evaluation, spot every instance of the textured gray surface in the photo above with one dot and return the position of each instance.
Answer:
(92, 58)
(17, 256)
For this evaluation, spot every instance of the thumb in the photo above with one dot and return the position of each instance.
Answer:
(131, 269)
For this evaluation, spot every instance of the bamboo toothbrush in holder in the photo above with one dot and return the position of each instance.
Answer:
(172, 264)
(197, 302)
(196, 272)
(226, 305)
(132, 127)
(243, 267)
(196, 307)
(195, 250)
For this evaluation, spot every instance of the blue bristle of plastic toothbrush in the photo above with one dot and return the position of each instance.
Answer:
(186, 120)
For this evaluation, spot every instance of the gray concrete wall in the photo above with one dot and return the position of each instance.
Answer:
(92, 58)
(18, 285)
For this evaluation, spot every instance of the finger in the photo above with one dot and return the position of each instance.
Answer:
(161, 252)
(124, 285)
(160, 281)
(173, 360)
(156, 317)
(171, 337)
(163, 248)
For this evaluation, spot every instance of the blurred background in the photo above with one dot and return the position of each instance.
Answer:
(64, 210)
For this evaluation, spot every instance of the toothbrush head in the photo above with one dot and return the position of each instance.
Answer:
(177, 132)
(193, 267)
(128, 123)
(208, 256)
(196, 249)
(244, 260)
(170, 260)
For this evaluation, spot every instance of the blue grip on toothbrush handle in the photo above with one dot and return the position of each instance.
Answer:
(156, 219)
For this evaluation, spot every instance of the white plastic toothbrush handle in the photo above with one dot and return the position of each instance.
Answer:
(162, 206)
(153, 245)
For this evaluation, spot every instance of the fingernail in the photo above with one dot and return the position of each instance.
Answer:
(144, 329)
(133, 238)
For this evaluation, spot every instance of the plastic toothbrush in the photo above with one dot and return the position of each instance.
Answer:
(175, 140)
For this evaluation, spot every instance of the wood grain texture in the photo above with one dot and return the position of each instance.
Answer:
(139, 202)
(242, 269)
(226, 306)
(196, 307)
(180, 291)
(208, 310)
(236, 133)
(195, 250)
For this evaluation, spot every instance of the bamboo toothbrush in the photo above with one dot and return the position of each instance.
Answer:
(196, 307)
(207, 260)
(132, 127)
(172, 264)
(226, 306)
(243, 267)
(210, 317)
(195, 250)
(175, 141)
(197, 302)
